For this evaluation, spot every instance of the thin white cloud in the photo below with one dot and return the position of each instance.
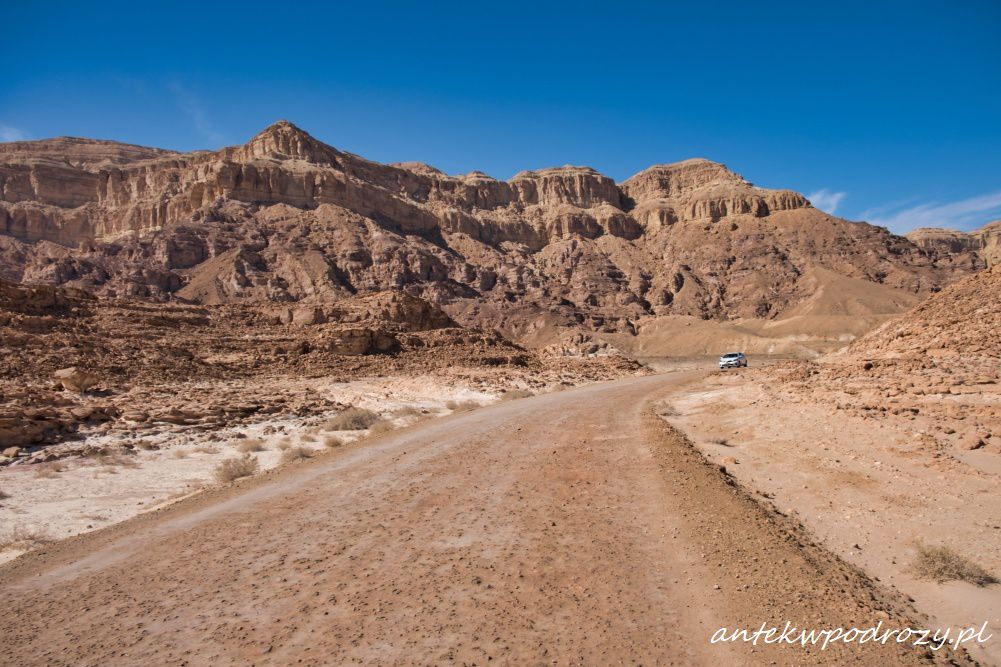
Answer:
(964, 214)
(192, 108)
(826, 200)
(11, 133)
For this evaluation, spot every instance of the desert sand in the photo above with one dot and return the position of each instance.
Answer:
(570, 527)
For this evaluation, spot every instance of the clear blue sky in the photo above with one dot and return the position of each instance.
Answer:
(890, 110)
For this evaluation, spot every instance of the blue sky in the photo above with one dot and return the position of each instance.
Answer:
(883, 111)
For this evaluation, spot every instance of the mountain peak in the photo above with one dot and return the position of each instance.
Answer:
(282, 140)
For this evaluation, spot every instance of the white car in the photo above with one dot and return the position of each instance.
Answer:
(732, 360)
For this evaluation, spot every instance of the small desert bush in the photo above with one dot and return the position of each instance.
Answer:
(252, 445)
(147, 445)
(720, 441)
(667, 410)
(351, 419)
(942, 563)
(462, 406)
(116, 460)
(332, 441)
(515, 394)
(180, 454)
(296, 454)
(50, 470)
(284, 444)
(207, 449)
(307, 437)
(23, 539)
(407, 411)
(381, 426)
(231, 469)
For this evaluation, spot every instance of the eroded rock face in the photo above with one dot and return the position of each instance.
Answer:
(981, 244)
(286, 218)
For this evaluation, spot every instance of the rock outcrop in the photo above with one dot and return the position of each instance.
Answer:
(286, 218)
(982, 244)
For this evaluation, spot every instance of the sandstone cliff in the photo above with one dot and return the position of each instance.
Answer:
(984, 242)
(287, 218)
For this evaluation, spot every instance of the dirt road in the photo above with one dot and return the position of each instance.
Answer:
(569, 528)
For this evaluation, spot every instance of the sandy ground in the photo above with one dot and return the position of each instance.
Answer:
(566, 528)
(81, 494)
(868, 489)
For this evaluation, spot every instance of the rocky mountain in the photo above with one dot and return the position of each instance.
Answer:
(984, 243)
(287, 218)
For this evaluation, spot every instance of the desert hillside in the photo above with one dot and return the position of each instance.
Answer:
(941, 362)
(287, 218)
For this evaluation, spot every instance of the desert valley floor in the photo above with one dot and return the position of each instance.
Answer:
(279, 404)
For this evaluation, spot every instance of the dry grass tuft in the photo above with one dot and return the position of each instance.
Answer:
(942, 563)
(180, 454)
(50, 470)
(117, 460)
(23, 539)
(207, 449)
(408, 411)
(284, 444)
(462, 406)
(232, 469)
(515, 394)
(252, 445)
(332, 442)
(352, 419)
(307, 437)
(296, 454)
(723, 442)
(667, 410)
(381, 426)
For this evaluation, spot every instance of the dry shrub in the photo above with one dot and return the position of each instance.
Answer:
(307, 437)
(231, 469)
(296, 454)
(514, 394)
(207, 449)
(407, 411)
(252, 445)
(462, 406)
(23, 539)
(942, 563)
(50, 470)
(332, 441)
(284, 444)
(147, 445)
(667, 410)
(351, 419)
(381, 426)
(180, 454)
(117, 460)
(720, 441)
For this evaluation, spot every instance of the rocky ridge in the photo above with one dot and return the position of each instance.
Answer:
(287, 218)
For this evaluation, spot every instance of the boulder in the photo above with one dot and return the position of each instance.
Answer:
(969, 442)
(75, 379)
